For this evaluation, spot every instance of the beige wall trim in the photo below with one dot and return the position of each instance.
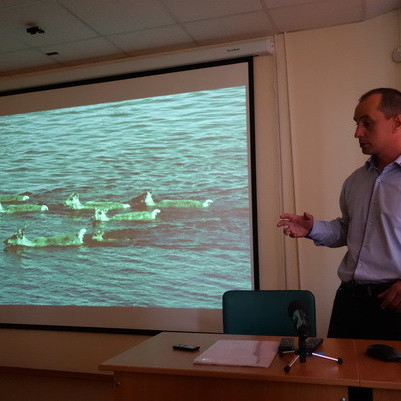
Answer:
(286, 186)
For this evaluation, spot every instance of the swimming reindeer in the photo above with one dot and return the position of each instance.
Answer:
(13, 198)
(74, 203)
(23, 208)
(113, 237)
(147, 199)
(100, 215)
(73, 239)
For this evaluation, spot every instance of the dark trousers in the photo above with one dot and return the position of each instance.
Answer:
(357, 313)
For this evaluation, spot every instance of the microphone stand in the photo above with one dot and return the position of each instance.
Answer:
(302, 352)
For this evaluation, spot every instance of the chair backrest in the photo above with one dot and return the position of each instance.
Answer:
(265, 312)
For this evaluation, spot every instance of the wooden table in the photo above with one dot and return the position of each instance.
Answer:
(383, 377)
(153, 371)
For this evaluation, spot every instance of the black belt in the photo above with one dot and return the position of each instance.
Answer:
(365, 290)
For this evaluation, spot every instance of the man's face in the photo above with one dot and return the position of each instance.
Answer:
(374, 132)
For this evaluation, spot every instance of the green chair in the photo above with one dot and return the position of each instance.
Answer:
(265, 312)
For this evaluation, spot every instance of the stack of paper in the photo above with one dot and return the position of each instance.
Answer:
(239, 353)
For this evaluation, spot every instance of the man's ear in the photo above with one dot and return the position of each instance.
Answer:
(397, 122)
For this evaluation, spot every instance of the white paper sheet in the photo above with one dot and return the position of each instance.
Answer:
(239, 353)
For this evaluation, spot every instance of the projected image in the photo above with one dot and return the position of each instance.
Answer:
(142, 203)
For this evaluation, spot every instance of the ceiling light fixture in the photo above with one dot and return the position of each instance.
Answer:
(33, 30)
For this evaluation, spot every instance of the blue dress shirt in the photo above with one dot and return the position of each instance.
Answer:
(370, 225)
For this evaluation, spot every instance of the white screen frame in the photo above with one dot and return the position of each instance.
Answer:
(120, 88)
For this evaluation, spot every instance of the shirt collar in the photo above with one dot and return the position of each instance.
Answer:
(398, 160)
(370, 163)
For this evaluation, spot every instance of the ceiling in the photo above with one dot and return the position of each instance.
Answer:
(83, 31)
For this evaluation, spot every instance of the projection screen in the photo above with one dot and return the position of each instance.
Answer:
(128, 202)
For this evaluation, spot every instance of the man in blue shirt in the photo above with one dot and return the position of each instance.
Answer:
(368, 301)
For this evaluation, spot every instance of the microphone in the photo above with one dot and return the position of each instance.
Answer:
(298, 314)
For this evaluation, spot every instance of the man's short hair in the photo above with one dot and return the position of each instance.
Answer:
(390, 104)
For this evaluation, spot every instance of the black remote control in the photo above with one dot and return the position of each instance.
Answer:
(186, 347)
(287, 344)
